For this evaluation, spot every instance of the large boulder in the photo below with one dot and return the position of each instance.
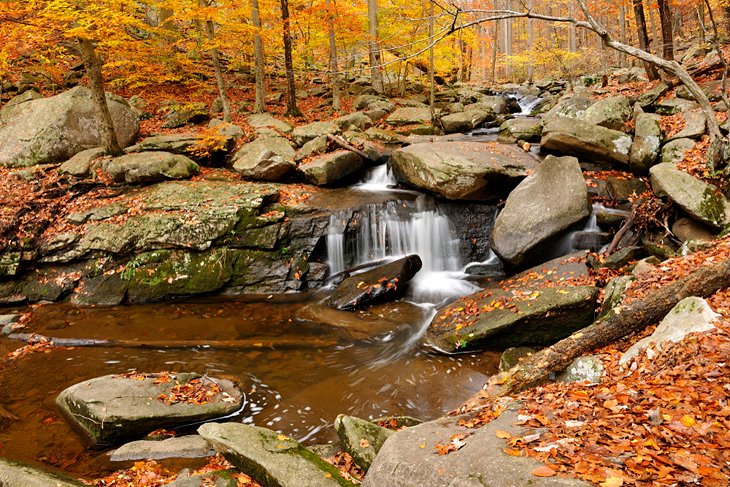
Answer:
(13, 474)
(647, 142)
(182, 144)
(526, 129)
(376, 284)
(612, 112)
(266, 120)
(408, 458)
(694, 125)
(649, 97)
(331, 168)
(145, 167)
(54, 129)
(462, 170)
(116, 407)
(409, 116)
(673, 152)
(569, 107)
(702, 201)
(189, 114)
(465, 121)
(270, 458)
(304, 133)
(545, 204)
(691, 315)
(585, 140)
(265, 159)
(360, 438)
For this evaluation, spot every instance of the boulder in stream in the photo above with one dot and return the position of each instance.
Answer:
(533, 215)
(188, 446)
(270, 458)
(54, 129)
(479, 171)
(376, 284)
(113, 408)
(584, 140)
(330, 168)
(14, 474)
(361, 439)
(612, 112)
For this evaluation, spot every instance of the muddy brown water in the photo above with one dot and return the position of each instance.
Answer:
(375, 366)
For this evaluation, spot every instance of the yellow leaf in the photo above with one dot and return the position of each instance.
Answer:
(327, 475)
(422, 446)
(281, 437)
(612, 482)
(666, 417)
(502, 434)
(364, 443)
(687, 420)
(652, 443)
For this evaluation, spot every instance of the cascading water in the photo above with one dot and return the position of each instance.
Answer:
(528, 104)
(379, 178)
(396, 229)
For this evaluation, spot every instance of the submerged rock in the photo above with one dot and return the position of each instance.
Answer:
(376, 284)
(361, 439)
(703, 201)
(14, 474)
(112, 408)
(405, 462)
(54, 129)
(532, 216)
(462, 170)
(584, 140)
(270, 458)
(690, 315)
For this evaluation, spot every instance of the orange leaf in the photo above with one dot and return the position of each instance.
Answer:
(502, 434)
(543, 471)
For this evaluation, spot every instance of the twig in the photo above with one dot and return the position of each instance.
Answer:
(343, 143)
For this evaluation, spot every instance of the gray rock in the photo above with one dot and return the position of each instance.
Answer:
(212, 479)
(614, 293)
(144, 167)
(80, 165)
(581, 139)
(673, 152)
(465, 121)
(226, 129)
(54, 129)
(409, 116)
(702, 201)
(498, 104)
(190, 446)
(405, 461)
(303, 134)
(265, 159)
(317, 145)
(266, 120)
(6, 110)
(383, 136)
(686, 229)
(527, 129)
(368, 287)
(647, 264)
(112, 408)
(647, 142)
(568, 107)
(181, 144)
(694, 126)
(331, 168)
(189, 114)
(9, 263)
(512, 356)
(612, 112)
(583, 369)
(462, 170)
(14, 474)
(532, 217)
(648, 98)
(357, 119)
(691, 315)
(674, 105)
(361, 439)
(372, 102)
(270, 458)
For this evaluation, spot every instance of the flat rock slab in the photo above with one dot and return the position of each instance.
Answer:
(112, 408)
(584, 140)
(458, 170)
(376, 284)
(272, 459)
(408, 458)
(190, 446)
(13, 474)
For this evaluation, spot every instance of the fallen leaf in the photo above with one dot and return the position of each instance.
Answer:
(543, 471)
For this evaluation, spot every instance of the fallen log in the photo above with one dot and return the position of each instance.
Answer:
(337, 140)
(618, 323)
(247, 344)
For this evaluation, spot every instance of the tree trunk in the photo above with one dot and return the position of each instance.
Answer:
(291, 90)
(726, 11)
(654, 32)
(530, 45)
(96, 83)
(431, 77)
(495, 49)
(622, 34)
(665, 19)
(258, 52)
(335, 80)
(374, 52)
(217, 69)
(651, 71)
(618, 323)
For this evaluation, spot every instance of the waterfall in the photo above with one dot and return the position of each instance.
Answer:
(528, 104)
(379, 178)
(396, 229)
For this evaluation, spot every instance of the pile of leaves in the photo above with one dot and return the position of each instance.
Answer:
(195, 391)
(347, 467)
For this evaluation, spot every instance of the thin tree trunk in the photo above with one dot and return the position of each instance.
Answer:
(530, 45)
(374, 53)
(96, 83)
(258, 52)
(665, 19)
(431, 77)
(495, 49)
(654, 33)
(335, 80)
(651, 71)
(218, 70)
(291, 89)
(622, 34)
(618, 323)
